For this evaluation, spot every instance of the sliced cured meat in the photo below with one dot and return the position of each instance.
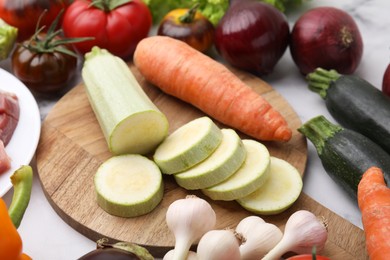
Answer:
(9, 104)
(9, 115)
(5, 161)
(7, 127)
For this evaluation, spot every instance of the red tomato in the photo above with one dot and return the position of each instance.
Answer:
(307, 257)
(24, 14)
(117, 28)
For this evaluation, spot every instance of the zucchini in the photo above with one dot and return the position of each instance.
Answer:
(252, 174)
(354, 103)
(345, 154)
(278, 193)
(188, 145)
(130, 122)
(220, 165)
(128, 185)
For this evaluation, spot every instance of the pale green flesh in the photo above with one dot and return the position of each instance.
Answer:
(188, 145)
(139, 133)
(121, 106)
(249, 177)
(280, 191)
(220, 165)
(128, 185)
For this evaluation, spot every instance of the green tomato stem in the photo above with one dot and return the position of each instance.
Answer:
(108, 5)
(189, 16)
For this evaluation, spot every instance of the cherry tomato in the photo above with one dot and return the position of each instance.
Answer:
(190, 26)
(43, 71)
(117, 26)
(24, 14)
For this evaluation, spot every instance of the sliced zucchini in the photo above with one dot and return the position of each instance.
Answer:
(128, 185)
(249, 177)
(188, 145)
(281, 190)
(221, 164)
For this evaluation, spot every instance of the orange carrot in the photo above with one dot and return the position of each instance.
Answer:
(374, 204)
(183, 72)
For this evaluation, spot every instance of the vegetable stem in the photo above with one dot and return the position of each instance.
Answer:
(189, 16)
(22, 184)
(108, 5)
(320, 80)
(318, 130)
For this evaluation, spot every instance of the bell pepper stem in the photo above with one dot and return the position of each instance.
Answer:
(22, 183)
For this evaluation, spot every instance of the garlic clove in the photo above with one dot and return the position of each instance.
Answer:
(259, 237)
(219, 244)
(302, 232)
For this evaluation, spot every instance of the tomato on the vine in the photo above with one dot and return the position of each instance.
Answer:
(24, 15)
(115, 25)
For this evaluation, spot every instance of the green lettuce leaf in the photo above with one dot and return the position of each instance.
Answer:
(8, 36)
(212, 9)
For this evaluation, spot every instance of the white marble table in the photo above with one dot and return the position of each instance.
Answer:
(47, 236)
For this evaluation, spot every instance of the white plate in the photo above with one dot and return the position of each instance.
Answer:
(24, 141)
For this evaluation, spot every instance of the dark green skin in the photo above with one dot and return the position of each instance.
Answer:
(348, 154)
(356, 104)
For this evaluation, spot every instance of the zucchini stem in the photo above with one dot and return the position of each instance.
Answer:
(318, 130)
(320, 80)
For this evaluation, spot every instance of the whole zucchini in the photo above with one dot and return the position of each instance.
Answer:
(354, 103)
(345, 154)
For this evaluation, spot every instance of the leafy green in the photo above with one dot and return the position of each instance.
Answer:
(8, 36)
(212, 9)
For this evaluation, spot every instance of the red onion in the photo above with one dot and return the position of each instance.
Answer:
(326, 37)
(252, 36)
(386, 81)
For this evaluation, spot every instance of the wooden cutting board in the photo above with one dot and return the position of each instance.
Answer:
(72, 147)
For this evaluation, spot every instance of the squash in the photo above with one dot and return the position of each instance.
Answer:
(130, 121)
(354, 103)
(345, 154)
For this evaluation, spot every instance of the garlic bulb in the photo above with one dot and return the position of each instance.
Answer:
(303, 231)
(219, 245)
(259, 237)
(189, 219)
(190, 256)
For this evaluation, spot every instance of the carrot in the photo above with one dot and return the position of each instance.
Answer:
(374, 204)
(183, 72)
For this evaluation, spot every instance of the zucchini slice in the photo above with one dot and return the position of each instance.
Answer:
(280, 191)
(249, 177)
(128, 185)
(188, 145)
(221, 164)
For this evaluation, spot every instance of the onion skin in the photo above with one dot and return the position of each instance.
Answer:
(252, 36)
(326, 37)
(386, 81)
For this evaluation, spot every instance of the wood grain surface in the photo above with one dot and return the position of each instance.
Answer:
(72, 147)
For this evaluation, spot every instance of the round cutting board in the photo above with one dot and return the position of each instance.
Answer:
(72, 147)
